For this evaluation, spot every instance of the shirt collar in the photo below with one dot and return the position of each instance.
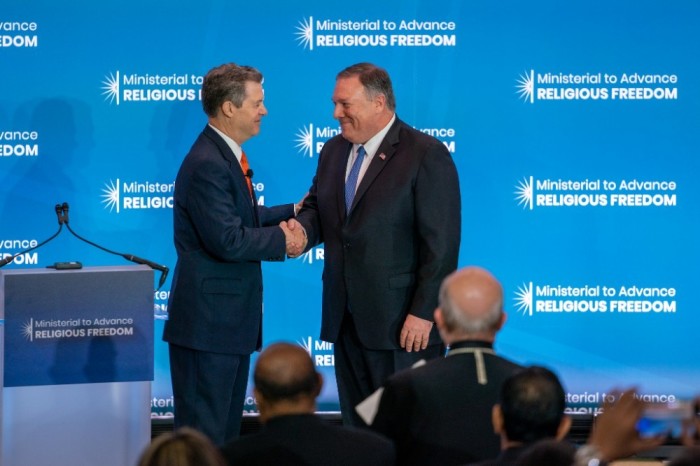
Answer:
(373, 143)
(233, 145)
(471, 344)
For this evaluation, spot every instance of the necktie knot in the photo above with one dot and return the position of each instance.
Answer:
(351, 182)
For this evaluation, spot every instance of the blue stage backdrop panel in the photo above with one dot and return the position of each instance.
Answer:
(573, 128)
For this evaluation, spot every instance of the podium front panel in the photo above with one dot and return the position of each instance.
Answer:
(78, 364)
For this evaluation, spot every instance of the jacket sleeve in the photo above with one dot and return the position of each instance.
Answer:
(438, 221)
(223, 219)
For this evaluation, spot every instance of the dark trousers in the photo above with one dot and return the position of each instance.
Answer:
(209, 391)
(360, 371)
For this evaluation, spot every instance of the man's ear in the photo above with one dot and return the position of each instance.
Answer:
(439, 319)
(497, 419)
(564, 427)
(259, 398)
(319, 384)
(226, 108)
(262, 405)
(501, 321)
(380, 102)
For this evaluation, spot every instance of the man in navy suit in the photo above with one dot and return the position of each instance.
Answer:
(221, 236)
(385, 202)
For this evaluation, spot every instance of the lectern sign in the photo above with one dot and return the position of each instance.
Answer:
(81, 326)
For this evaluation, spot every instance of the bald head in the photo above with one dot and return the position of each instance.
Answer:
(471, 304)
(285, 372)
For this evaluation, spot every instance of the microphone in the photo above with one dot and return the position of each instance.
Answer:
(64, 208)
(9, 259)
(249, 173)
(62, 216)
(162, 268)
(59, 213)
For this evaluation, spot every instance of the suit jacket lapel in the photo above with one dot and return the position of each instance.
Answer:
(235, 167)
(384, 153)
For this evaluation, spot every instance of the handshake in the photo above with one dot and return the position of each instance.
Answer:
(295, 236)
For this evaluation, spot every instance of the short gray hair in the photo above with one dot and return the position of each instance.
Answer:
(374, 79)
(459, 319)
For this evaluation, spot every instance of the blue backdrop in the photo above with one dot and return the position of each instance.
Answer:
(573, 127)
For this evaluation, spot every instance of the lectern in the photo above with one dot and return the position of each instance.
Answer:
(76, 365)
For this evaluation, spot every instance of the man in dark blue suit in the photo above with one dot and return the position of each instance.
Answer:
(385, 202)
(221, 236)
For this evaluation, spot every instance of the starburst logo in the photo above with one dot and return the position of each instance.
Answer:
(305, 33)
(523, 299)
(523, 193)
(28, 330)
(306, 343)
(305, 141)
(320, 351)
(110, 88)
(110, 196)
(526, 86)
(312, 255)
(307, 257)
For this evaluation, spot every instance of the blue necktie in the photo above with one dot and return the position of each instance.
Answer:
(351, 182)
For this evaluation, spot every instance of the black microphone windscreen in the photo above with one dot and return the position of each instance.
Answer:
(59, 214)
(64, 208)
(249, 173)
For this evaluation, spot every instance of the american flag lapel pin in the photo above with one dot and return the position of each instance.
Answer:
(382, 156)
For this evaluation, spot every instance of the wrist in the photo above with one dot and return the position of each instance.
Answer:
(589, 455)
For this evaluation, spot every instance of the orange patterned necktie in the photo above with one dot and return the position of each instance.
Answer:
(246, 169)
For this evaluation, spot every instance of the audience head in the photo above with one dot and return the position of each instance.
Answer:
(286, 381)
(470, 306)
(183, 447)
(531, 407)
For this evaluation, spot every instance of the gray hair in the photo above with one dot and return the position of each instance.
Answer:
(374, 79)
(460, 319)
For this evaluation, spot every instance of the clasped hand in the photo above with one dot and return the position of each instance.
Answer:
(295, 237)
